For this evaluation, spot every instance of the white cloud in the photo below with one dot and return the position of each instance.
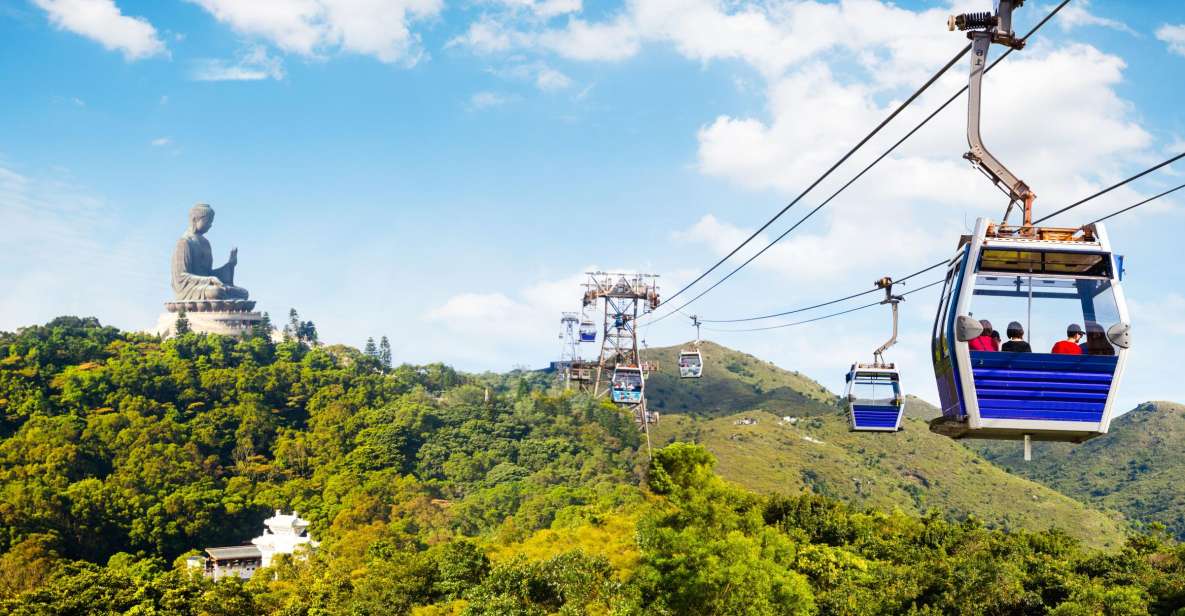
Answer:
(1078, 14)
(1174, 36)
(550, 80)
(255, 64)
(484, 36)
(581, 40)
(78, 102)
(540, 74)
(544, 9)
(498, 326)
(485, 100)
(102, 21)
(379, 28)
(161, 142)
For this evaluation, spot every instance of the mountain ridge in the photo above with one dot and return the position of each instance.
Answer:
(799, 440)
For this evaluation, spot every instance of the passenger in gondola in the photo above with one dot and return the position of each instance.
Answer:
(1096, 340)
(996, 339)
(1069, 346)
(984, 341)
(1016, 340)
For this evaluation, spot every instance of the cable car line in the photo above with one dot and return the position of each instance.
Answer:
(944, 262)
(826, 316)
(864, 306)
(1111, 188)
(892, 148)
(834, 301)
(833, 167)
(1132, 207)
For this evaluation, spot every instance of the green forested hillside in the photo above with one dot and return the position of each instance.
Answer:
(1136, 468)
(731, 382)
(913, 470)
(435, 492)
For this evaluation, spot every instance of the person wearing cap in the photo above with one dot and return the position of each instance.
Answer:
(984, 341)
(1069, 346)
(1016, 340)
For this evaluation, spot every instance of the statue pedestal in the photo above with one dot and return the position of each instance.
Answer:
(222, 317)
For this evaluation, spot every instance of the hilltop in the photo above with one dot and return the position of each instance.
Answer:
(801, 441)
(732, 382)
(1136, 468)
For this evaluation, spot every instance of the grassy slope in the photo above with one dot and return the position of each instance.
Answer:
(1136, 468)
(732, 382)
(914, 470)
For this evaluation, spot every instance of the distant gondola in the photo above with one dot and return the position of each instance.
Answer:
(873, 391)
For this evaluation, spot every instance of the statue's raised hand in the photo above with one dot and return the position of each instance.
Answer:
(234, 256)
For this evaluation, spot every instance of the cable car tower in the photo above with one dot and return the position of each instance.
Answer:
(620, 369)
(571, 370)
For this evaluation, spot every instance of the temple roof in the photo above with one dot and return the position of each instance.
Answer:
(234, 552)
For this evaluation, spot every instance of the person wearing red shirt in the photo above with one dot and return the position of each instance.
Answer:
(1069, 346)
(984, 341)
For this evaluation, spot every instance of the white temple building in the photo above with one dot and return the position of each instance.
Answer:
(282, 534)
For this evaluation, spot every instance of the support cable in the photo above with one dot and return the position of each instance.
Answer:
(1111, 188)
(892, 148)
(936, 282)
(1132, 207)
(834, 301)
(833, 167)
(826, 316)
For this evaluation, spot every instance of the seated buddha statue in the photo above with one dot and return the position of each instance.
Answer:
(194, 276)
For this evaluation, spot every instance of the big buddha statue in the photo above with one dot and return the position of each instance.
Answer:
(194, 276)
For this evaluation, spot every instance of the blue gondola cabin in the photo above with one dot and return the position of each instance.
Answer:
(873, 393)
(1062, 287)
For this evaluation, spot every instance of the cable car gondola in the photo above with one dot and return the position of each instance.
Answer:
(628, 385)
(1051, 286)
(691, 361)
(1049, 282)
(691, 364)
(873, 391)
(874, 398)
(588, 331)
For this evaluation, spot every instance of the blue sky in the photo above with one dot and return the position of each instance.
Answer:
(443, 172)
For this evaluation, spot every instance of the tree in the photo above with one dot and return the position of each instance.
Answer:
(262, 328)
(371, 350)
(385, 353)
(181, 326)
(292, 329)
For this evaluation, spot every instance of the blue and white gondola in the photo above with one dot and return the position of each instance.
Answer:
(628, 386)
(1071, 273)
(873, 392)
(588, 331)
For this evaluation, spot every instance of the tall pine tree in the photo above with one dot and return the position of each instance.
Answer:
(181, 326)
(385, 353)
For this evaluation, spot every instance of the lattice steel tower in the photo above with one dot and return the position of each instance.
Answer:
(626, 297)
